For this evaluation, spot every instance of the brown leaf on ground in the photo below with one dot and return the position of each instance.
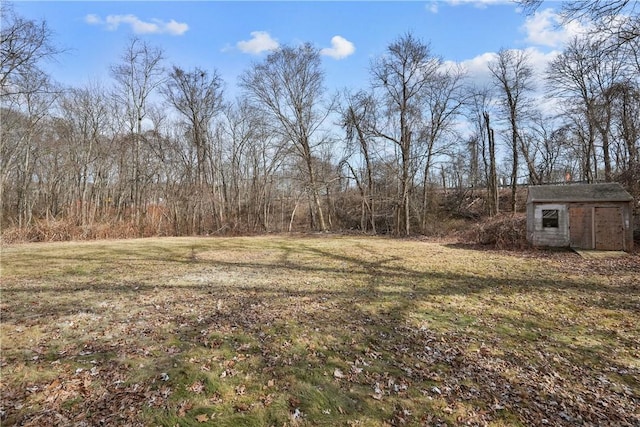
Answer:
(202, 418)
(196, 387)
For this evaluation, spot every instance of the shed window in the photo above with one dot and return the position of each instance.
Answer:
(549, 218)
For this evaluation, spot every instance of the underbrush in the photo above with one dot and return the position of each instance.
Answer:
(504, 231)
(53, 230)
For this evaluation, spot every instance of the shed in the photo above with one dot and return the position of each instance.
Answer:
(585, 216)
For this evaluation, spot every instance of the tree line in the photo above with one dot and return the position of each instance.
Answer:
(161, 150)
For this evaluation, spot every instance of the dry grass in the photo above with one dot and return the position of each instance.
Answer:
(315, 331)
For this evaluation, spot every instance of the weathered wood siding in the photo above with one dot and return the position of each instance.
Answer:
(601, 226)
(590, 216)
(609, 230)
(581, 226)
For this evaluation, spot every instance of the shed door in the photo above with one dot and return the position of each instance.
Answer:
(580, 233)
(609, 230)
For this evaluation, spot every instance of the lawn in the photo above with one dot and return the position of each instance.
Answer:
(324, 330)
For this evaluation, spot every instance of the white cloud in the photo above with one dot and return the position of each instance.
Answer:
(432, 6)
(477, 68)
(260, 41)
(481, 4)
(539, 60)
(138, 26)
(340, 48)
(478, 74)
(92, 19)
(545, 29)
(177, 28)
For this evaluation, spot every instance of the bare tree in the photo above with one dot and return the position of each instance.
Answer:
(608, 68)
(402, 77)
(626, 100)
(83, 128)
(625, 127)
(543, 146)
(252, 156)
(358, 119)
(197, 96)
(23, 45)
(26, 96)
(619, 19)
(288, 87)
(442, 102)
(29, 110)
(569, 78)
(492, 176)
(137, 76)
(513, 78)
(479, 103)
(584, 77)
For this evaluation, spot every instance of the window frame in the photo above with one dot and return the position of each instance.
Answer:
(550, 218)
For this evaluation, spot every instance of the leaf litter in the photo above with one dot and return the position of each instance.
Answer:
(303, 331)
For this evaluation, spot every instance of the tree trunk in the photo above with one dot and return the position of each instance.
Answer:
(492, 181)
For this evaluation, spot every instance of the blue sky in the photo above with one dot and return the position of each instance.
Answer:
(229, 36)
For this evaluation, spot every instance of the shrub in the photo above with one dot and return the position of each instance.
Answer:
(503, 231)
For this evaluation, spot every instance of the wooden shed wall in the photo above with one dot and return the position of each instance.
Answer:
(601, 226)
(581, 230)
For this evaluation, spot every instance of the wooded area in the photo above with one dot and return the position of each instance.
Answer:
(161, 150)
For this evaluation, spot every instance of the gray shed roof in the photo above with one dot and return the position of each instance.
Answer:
(607, 192)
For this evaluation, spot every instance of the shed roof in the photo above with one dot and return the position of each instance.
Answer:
(607, 192)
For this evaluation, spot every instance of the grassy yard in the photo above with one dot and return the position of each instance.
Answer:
(306, 331)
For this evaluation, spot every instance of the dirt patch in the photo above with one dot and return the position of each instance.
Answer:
(590, 254)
